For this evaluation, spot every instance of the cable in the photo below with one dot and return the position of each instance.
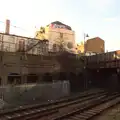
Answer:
(15, 26)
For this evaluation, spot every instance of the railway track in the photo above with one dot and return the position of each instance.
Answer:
(35, 111)
(91, 110)
(73, 97)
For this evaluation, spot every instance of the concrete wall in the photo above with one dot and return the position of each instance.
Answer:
(26, 94)
(23, 65)
(13, 62)
(35, 64)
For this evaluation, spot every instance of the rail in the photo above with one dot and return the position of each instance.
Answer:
(92, 109)
(48, 107)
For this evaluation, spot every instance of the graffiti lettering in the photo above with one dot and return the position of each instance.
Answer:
(58, 26)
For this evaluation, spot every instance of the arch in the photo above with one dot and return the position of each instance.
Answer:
(14, 78)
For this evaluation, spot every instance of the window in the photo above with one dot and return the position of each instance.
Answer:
(54, 47)
(70, 45)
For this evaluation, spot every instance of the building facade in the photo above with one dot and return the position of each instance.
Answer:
(95, 45)
(58, 34)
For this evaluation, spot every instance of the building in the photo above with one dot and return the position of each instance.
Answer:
(58, 34)
(27, 61)
(95, 45)
(80, 48)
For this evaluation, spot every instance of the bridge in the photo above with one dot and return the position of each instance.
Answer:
(104, 64)
(103, 70)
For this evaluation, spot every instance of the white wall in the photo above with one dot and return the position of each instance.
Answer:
(54, 34)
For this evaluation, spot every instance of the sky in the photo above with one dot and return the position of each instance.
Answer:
(97, 18)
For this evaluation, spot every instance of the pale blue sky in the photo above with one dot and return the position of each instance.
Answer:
(95, 17)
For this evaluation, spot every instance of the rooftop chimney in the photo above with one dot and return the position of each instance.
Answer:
(7, 29)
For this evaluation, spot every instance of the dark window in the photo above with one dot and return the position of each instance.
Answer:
(0, 81)
(54, 47)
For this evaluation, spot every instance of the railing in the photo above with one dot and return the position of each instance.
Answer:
(38, 47)
(14, 43)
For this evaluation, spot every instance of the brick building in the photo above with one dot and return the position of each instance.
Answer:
(96, 45)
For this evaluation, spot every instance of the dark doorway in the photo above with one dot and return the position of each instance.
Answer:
(32, 78)
(14, 78)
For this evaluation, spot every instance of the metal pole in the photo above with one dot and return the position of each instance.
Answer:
(85, 35)
(2, 66)
(84, 43)
(84, 66)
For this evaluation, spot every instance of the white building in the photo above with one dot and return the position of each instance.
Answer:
(58, 33)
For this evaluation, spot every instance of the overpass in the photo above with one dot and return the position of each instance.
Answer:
(103, 70)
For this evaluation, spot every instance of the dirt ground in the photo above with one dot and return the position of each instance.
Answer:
(111, 114)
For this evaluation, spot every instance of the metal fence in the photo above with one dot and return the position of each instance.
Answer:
(37, 47)
(33, 93)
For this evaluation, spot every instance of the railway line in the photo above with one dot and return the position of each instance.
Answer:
(91, 110)
(32, 112)
(84, 106)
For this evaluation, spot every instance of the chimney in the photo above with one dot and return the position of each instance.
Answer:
(7, 29)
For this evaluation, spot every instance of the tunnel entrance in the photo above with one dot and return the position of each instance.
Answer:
(14, 78)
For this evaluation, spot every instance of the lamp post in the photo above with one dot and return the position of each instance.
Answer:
(85, 36)
(85, 72)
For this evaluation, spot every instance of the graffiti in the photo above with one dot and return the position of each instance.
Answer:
(58, 26)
